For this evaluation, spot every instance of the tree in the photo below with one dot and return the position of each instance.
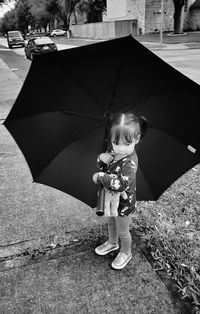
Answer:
(66, 9)
(5, 1)
(24, 17)
(178, 9)
(39, 13)
(62, 8)
(93, 9)
(8, 21)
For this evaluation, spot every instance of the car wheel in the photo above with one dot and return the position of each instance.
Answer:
(54, 35)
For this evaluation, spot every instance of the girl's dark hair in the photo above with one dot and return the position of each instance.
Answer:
(127, 126)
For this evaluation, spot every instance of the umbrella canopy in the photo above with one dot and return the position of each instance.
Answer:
(60, 117)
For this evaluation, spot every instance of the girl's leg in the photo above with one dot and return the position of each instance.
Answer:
(112, 243)
(123, 224)
(112, 230)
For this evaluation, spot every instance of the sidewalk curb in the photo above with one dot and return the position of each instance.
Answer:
(20, 254)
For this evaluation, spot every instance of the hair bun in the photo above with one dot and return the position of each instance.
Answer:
(143, 126)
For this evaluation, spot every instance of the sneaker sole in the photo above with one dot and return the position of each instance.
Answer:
(104, 253)
(123, 265)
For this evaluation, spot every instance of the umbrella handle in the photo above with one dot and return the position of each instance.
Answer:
(100, 201)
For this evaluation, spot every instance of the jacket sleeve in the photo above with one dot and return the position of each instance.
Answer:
(100, 164)
(122, 180)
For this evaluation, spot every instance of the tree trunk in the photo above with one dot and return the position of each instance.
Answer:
(75, 18)
(178, 6)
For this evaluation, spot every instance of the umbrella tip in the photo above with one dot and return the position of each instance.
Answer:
(191, 149)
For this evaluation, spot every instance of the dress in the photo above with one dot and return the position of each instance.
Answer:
(125, 180)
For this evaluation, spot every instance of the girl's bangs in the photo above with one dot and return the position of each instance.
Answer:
(126, 135)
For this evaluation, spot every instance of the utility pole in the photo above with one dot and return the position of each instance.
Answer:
(161, 23)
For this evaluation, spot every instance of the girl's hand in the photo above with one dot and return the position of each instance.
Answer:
(106, 158)
(96, 175)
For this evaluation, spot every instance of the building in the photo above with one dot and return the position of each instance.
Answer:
(147, 13)
(193, 21)
(137, 17)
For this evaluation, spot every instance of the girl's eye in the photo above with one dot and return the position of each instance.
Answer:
(127, 144)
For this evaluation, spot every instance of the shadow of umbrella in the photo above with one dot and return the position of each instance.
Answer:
(59, 119)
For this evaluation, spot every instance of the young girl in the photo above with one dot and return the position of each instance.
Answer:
(121, 160)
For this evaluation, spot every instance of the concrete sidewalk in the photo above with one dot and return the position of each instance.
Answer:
(47, 241)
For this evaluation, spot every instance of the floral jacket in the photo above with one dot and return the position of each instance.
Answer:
(124, 180)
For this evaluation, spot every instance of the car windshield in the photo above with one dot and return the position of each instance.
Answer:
(34, 35)
(14, 34)
(43, 41)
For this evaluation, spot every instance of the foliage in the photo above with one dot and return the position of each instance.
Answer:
(4, 1)
(93, 9)
(27, 13)
(24, 17)
(39, 13)
(9, 22)
(171, 228)
(65, 10)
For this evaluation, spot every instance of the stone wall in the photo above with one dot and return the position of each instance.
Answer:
(126, 10)
(194, 20)
(189, 19)
(148, 14)
(153, 15)
(136, 10)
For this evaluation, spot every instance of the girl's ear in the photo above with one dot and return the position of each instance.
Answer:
(138, 139)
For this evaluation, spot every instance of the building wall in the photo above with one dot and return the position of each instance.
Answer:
(194, 21)
(104, 30)
(153, 15)
(126, 10)
(188, 16)
(147, 13)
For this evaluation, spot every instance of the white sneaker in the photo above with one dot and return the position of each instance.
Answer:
(106, 248)
(121, 260)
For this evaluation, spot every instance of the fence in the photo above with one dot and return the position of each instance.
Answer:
(105, 30)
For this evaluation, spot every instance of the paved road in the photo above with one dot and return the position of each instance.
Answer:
(20, 51)
(185, 60)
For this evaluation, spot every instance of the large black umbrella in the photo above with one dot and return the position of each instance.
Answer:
(60, 117)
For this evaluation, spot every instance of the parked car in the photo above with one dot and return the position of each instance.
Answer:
(39, 45)
(15, 38)
(58, 32)
(33, 34)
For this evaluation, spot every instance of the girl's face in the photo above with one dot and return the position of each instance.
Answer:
(124, 148)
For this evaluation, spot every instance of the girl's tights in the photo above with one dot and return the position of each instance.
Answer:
(119, 227)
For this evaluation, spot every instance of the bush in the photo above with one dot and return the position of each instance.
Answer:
(171, 229)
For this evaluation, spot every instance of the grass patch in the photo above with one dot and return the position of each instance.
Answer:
(170, 228)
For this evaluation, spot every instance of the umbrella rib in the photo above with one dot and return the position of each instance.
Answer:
(116, 82)
(174, 137)
(129, 103)
(80, 115)
(77, 138)
(146, 182)
(92, 99)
